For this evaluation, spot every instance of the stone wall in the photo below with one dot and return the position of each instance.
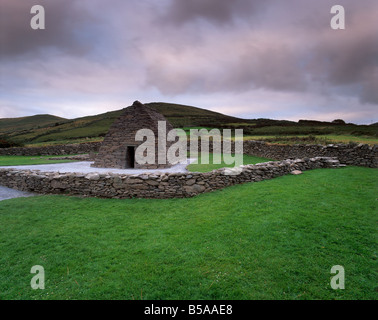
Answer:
(152, 185)
(57, 150)
(358, 155)
(349, 154)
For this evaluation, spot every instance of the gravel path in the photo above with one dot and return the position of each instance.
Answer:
(7, 193)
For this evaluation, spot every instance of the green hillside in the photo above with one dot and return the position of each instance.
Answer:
(188, 116)
(38, 129)
(49, 129)
(27, 123)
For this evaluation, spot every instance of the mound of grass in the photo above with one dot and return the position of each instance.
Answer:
(275, 239)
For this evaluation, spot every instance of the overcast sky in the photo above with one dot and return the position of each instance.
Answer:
(246, 58)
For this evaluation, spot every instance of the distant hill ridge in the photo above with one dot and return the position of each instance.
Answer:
(24, 123)
(49, 128)
(40, 128)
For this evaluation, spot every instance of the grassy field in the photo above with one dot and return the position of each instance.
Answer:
(198, 166)
(311, 139)
(24, 160)
(318, 129)
(349, 138)
(275, 239)
(66, 141)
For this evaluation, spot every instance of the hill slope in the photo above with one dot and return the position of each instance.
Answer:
(27, 123)
(44, 128)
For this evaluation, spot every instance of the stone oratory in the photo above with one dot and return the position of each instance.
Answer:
(119, 145)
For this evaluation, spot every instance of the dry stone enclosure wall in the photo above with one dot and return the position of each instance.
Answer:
(167, 185)
(180, 185)
(349, 154)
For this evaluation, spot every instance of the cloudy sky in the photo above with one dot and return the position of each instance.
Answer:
(247, 58)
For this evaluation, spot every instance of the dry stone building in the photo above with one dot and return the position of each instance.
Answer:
(119, 145)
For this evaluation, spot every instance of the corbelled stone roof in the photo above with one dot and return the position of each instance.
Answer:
(121, 135)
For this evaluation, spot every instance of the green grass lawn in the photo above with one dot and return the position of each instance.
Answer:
(275, 239)
(318, 139)
(349, 138)
(29, 160)
(201, 167)
(67, 141)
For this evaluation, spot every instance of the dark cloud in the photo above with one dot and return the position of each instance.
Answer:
(219, 12)
(292, 49)
(65, 21)
(265, 55)
(274, 67)
(350, 57)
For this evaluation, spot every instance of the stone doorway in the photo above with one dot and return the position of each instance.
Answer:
(130, 157)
